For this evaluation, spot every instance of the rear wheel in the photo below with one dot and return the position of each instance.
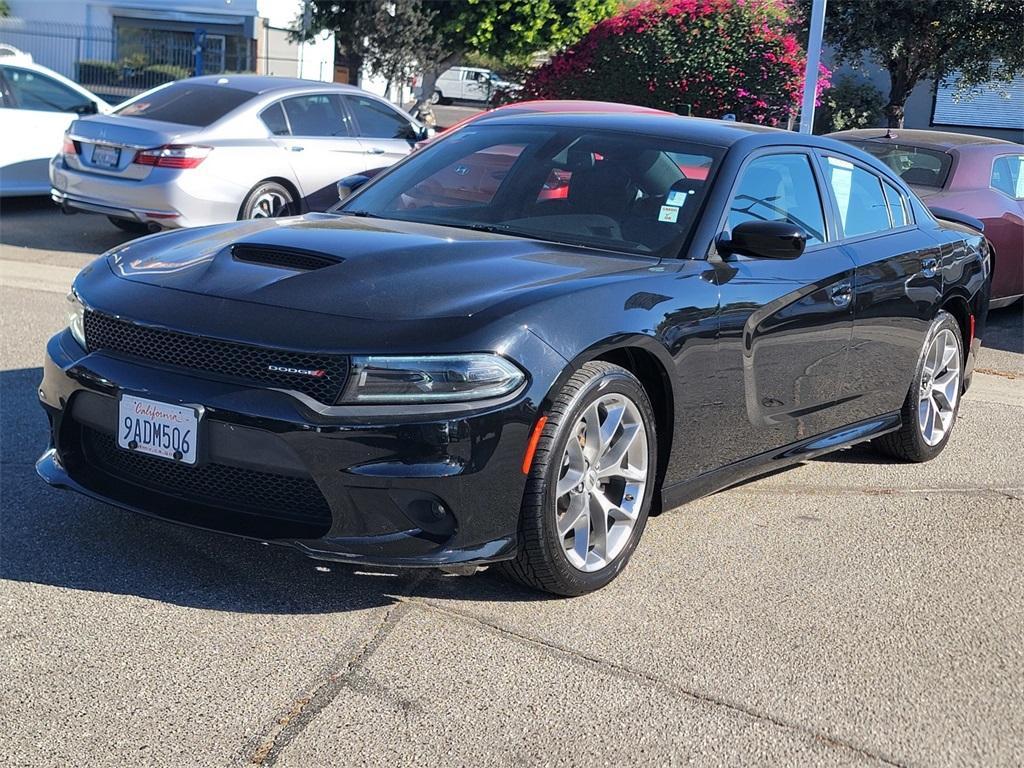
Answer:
(267, 200)
(128, 225)
(932, 404)
(590, 486)
(436, 98)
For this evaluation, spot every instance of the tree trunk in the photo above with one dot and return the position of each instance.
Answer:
(422, 109)
(900, 86)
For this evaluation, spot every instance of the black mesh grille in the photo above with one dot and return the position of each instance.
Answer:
(286, 258)
(227, 359)
(218, 485)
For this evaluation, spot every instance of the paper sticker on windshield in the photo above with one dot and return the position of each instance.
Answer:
(669, 213)
(677, 197)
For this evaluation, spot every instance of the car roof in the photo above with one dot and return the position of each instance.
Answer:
(267, 83)
(936, 139)
(700, 130)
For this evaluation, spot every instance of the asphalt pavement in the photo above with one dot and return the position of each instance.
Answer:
(849, 611)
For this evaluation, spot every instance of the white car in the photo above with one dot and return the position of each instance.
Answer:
(36, 107)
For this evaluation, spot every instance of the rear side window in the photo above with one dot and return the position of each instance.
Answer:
(377, 121)
(318, 114)
(897, 206)
(780, 188)
(918, 166)
(32, 90)
(273, 118)
(858, 193)
(186, 103)
(1008, 175)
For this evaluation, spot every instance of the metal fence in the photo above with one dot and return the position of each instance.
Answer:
(119, 62)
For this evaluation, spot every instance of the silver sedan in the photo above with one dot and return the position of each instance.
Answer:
(214, 149)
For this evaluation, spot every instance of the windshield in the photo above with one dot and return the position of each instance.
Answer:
(915, 165)
(598, 189)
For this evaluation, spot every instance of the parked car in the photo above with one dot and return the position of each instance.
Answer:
(36, 106)
(429, 378)
(470, 84)
(213, 149)
(977, 175)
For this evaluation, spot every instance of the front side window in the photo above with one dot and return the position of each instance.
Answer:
(377, 121)
(918, 166)
(780, 188)
(32, 90)
(1008, 175)
(318, 114)
(593, 188)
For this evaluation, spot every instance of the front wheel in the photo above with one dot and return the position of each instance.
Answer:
(267, 200)
(590, 486)
(932, 404)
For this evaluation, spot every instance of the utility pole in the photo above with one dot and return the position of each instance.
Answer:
(813, 58)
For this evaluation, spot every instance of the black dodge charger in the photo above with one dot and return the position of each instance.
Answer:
(518, 343)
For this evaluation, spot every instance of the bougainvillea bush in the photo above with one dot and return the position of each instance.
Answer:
(702, 57)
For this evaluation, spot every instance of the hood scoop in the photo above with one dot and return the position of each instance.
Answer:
(283, 258)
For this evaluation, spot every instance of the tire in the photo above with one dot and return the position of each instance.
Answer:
(437, 98)
(127, 225)
(267, 200)
(578, 561)
(938, 378)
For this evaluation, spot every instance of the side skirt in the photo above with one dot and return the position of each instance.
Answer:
(719, 479)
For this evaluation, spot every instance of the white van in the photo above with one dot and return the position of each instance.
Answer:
(469, 84)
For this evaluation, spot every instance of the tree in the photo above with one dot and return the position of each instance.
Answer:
(700, 57)
(493, 27)
(968, 42)
(395, 38)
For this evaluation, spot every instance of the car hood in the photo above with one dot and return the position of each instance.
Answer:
(375, 269)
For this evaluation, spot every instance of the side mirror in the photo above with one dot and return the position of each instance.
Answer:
(764, 239)
(86, 108)
(426, 132)
(350, 184)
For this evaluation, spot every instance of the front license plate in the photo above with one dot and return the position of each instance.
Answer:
(159, 429)
(105, 155)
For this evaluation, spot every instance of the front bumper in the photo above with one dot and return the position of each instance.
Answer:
(412, 490)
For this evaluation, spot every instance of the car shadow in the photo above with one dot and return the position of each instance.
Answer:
(60, 539)
(37, 222)
(1005, 329)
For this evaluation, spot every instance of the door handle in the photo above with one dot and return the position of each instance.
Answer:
(928, 267)
(296, 148)
(841, 294)
(375, 151)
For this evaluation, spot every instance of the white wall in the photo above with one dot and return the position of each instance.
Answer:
(99, 12)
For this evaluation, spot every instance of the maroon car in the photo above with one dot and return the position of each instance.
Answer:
(975, 175)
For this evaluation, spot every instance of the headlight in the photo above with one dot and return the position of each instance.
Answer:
(76, 318)
(440, 378)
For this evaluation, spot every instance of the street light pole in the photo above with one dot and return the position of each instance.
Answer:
(813, 58)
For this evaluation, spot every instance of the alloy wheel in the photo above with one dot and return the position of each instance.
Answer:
(939, 387)
(269, 205)
(602, 481)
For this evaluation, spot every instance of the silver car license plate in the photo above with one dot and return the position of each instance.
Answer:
(159, 429)
(105, 155)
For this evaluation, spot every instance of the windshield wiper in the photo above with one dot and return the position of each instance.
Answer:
(360, 214)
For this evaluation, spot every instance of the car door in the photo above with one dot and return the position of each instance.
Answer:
(319, 145)
(36, 111)
(476, 86)
(784, 325)
(386, 134)
(897, 285)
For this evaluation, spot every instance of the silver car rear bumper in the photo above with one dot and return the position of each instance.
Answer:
(71, 203)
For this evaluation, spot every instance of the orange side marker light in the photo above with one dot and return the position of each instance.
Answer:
(531, 447)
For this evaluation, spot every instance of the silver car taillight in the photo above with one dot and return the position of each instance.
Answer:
(172, 156)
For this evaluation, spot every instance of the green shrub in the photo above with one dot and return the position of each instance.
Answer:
(849, 104)
(158, 74)
(91, 72)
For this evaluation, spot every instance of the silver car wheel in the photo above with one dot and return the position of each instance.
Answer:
(269, 205)
(939, 387)
(602, 482)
